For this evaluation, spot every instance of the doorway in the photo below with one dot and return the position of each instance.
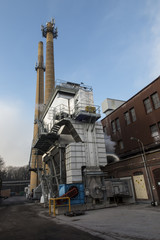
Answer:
(156, 174)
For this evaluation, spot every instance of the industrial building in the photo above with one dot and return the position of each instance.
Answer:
(68, 152)
(134, 129)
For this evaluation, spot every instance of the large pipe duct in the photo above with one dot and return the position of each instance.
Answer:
(36, 160)
(49, 32)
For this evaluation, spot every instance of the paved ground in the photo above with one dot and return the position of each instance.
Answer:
(20, 220)
(32, 221)
(132, 222)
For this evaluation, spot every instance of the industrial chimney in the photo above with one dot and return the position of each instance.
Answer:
(49, 32)
(36, 160)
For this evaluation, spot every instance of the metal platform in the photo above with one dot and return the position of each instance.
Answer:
(44, 142)
(87, 117)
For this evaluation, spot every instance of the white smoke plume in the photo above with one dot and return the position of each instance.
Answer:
(110, 145)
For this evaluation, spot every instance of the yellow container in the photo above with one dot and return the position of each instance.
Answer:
(90, 109)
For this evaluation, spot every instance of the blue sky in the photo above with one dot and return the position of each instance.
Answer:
(112, 45)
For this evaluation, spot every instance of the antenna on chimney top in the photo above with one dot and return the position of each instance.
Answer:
(50, 28)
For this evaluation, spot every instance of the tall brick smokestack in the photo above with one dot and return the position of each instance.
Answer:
(36, 160)
(49, 32)
(39, 102)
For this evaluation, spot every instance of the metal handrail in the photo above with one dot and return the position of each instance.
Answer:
(72, 85)
(54, 204)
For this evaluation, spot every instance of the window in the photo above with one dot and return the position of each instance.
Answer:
(156, 101)
(113, 126)
(154, 130)
(148, 106)
(118, 125)
(137, 173)
(133, 114)
(127, 118)
(104, 129)
(120, 144)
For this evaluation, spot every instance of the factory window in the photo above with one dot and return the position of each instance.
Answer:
(147, 105)
(118, 125)
(133, 114)
(127, 118)
(120, 144)
(155, 99)
(113, 126)
(137, 173)
(154, 130)
(104, 129)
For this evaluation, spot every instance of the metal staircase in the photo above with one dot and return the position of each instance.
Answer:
(55, 129)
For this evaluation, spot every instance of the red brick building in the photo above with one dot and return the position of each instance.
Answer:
(135, 128)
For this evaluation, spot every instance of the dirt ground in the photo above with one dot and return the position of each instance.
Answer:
(20, 220)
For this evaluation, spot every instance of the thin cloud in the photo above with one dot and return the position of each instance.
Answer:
(153, 14)
(15, 133)
(149, 48)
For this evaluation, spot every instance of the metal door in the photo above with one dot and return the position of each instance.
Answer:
(140, 187)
